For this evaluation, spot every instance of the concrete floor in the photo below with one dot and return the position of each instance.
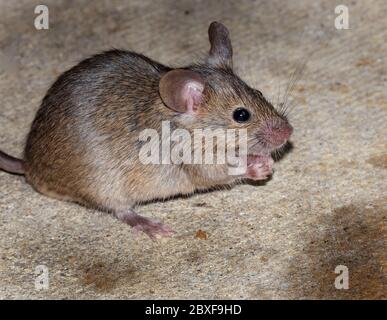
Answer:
(325, 206)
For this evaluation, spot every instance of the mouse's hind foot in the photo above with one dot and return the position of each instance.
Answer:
(150, 227)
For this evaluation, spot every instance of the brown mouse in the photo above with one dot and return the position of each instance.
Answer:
(84, 141)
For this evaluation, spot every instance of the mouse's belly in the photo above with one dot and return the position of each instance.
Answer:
(160, 182)
(111, 191)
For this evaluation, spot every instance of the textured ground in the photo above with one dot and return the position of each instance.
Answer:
(325, 206)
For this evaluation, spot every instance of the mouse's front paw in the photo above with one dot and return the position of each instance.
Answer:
(259, 168)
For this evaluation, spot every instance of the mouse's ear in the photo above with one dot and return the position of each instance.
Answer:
(221, 49)
(181, 90)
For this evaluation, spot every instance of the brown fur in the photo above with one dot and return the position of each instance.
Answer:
(84, 141)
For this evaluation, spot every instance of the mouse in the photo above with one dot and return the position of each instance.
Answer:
(83, 145)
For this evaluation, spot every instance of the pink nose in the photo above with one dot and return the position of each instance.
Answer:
(277, 132)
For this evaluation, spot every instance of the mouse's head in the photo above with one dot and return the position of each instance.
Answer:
(211, 96)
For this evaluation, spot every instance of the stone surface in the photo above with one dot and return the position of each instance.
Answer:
(325, 206)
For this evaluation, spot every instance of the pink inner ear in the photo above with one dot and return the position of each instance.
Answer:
(192, 95)
(181, 90)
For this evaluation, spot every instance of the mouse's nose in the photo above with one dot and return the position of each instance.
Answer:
(276, 132)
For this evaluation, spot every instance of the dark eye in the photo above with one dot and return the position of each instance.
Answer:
(241, 115)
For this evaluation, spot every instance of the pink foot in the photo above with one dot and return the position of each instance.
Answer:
(150, 227)
(259, 167)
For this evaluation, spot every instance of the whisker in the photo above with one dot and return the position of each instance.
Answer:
(294, 80)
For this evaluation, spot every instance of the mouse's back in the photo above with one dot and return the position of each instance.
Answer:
(89, 121)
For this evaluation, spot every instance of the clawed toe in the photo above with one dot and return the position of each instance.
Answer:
(150, 227)
(153, 228)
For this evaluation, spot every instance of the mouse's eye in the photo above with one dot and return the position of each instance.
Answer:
(241, 115)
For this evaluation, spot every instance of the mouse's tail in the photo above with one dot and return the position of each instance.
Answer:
(11, 164)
